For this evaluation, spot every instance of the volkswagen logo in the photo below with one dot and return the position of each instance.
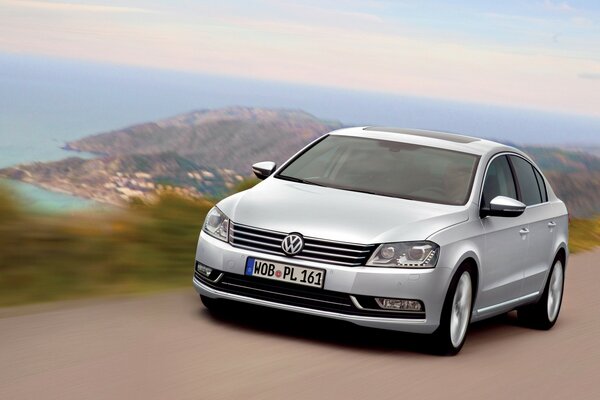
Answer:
(292, 244)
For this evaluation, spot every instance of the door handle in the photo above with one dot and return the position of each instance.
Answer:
(551, 224)
(524, 231)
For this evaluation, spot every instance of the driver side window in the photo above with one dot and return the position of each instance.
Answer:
(498, 181)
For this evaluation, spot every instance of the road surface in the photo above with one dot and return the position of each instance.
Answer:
(167, 346)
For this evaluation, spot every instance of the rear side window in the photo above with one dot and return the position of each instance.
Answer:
(541, 185)
(498, 181)
(527, 181)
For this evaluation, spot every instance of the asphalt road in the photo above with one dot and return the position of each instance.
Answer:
(168, 347)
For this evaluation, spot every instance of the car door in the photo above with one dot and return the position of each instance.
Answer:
(506, 242)
(538, 216)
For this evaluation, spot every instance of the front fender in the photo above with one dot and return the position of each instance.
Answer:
(459, 243)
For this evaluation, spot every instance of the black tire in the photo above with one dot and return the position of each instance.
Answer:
(441, 338)
(537, 315)
(213, 305)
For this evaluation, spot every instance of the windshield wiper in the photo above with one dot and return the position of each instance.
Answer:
(309, 182)
(357, 190)
(299, 180)
(340, 187)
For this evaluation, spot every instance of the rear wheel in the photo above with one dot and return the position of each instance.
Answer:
(456, 314)
(544, 313)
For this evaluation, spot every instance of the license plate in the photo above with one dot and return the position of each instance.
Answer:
(285, 273)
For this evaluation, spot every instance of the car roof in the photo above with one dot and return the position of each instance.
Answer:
(444, 140)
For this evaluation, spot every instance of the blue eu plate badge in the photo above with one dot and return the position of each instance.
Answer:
(249, 265)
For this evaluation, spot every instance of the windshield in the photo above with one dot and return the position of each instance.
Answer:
(386, 168)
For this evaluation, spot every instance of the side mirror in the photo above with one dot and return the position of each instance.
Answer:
(502, 206)
(264, 169)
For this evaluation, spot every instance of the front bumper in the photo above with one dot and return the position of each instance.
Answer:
(427, 285)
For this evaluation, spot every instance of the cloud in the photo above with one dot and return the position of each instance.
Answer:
(589, 75)
(59, 6)
(323, 14)
(558, 6)
(582, 22)
(515, 18)
(323, 46)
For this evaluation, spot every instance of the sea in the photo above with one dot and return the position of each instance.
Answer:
(46, 102)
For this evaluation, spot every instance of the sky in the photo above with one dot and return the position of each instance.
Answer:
(542, 54)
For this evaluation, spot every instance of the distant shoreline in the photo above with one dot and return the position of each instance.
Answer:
(60, 189)
(73, 193)
(44, 199)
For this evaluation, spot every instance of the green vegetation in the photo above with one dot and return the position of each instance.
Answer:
(584, 234)
(145, 247)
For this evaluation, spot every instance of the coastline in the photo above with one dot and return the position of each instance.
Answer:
(79, 194)
(47, 198)
(82, 197)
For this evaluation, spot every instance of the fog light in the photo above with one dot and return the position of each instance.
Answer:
(399, 304)
(203, 269)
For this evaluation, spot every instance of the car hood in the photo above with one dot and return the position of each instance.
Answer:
(336, 214)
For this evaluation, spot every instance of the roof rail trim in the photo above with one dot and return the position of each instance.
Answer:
(451, 137)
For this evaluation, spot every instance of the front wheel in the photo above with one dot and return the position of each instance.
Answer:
(544, 313)
(456, 315)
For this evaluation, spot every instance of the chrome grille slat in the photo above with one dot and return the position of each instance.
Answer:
(257, 242)
(341, 245)
(319, 250)
(244, 228)
(255, 235)
(331, 254)
(328, 261)
(334, 248)
(279, 253)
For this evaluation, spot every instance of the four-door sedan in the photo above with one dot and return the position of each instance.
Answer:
(401, 229)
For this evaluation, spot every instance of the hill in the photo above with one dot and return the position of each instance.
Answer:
(201, 153)
(574, 175)
(563, 161)
(231, 138)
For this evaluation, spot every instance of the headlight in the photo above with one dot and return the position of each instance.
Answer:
(216, 224)
(406, 255)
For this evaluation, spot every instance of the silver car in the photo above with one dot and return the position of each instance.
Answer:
(400, 229)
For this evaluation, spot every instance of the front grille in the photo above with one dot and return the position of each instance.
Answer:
(297, 295)
(320, 250)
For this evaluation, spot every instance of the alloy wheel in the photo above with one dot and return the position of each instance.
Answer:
(461, 309)
(555, 290)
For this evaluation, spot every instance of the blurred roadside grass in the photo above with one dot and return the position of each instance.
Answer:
(143, 248)
(584, 234)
